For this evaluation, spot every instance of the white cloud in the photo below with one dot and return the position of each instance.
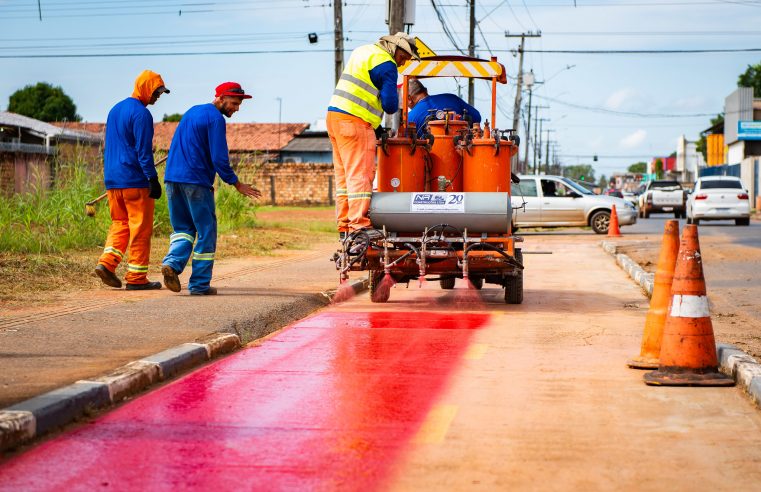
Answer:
(622, 99)
(634, 139)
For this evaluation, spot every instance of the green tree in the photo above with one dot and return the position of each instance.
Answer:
(751, 78)
(659, 168)
(172, 117)
(638, 168)
(43, 102)
(582, 172)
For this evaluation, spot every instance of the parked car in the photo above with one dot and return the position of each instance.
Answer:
(630, 197)
(555, 201)
(719, 198)
(614, 192)
(662, 196)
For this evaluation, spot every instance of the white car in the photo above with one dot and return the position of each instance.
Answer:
(556, 201)
(718, 198)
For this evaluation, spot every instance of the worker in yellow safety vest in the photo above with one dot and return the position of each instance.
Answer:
(367, 88)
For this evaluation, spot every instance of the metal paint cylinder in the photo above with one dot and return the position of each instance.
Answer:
(478, 212)
(402, 166)
(486, 167)
(446, 159)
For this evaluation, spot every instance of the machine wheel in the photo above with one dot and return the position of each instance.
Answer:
(376, 294)
(742, 222)
(514, 285)
(447, 283)
(477, 282)
(600, 222)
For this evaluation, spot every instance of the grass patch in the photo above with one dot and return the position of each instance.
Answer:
(49, 247)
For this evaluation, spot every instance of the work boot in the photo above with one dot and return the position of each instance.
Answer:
(211, 292)
(108, 277)
(146, 286)
(171, 280)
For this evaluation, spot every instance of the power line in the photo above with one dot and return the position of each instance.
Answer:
(624, 113)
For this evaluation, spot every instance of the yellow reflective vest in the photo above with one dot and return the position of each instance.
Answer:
(355, 92)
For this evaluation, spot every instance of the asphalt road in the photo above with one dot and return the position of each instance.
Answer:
(434, 390)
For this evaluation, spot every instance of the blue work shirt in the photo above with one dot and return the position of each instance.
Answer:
(128, 156)
(419, 113)
(199, 149)
(384, 78)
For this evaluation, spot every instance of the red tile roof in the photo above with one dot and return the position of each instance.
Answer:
(241, 137)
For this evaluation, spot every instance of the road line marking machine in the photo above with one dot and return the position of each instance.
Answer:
(442, 201)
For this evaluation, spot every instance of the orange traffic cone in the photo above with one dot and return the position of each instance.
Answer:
(688, 349)
(613, 230)
(659, 302)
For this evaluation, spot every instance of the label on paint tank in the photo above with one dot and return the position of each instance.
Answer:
(437, 202)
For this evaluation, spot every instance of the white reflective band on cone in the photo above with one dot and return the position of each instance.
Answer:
(689, 307)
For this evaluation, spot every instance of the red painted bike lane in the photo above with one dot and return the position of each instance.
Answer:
(328, 403)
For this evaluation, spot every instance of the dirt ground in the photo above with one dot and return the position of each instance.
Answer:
(732, 272)
(30, 281)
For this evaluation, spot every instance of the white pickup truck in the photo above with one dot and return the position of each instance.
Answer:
(663, 196)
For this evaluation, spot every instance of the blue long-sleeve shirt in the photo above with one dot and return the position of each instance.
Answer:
(128, 156)
(419, 113)
(384, 78)
(199, 149)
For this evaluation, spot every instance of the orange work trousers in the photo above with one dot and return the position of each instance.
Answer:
(353, 141)
(131, 229)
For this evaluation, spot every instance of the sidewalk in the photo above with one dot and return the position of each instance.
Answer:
(45, 349)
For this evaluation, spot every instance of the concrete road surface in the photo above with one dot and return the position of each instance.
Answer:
(432, 391)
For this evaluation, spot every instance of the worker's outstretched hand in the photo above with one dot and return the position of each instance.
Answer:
(248, 190)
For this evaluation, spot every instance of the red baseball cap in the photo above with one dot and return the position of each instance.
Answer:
(231, 89)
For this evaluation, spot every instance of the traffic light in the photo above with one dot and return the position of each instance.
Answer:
(581, 178)
(594, 157)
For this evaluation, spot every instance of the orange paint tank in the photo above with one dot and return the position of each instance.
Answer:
(403, 165)
(446, 158)
(486, 166)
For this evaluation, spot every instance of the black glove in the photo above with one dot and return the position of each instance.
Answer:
(155, 188)
(379, 131)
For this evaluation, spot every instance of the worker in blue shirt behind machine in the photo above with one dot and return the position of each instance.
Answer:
(421, 104)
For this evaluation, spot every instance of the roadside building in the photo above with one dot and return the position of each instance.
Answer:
(288, 163)
(30, 149)
(688, 160)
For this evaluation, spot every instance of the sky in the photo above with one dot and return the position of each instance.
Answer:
(622, 108)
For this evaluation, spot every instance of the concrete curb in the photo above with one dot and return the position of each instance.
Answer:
(640, 276)
(36, 416)
(745, 370)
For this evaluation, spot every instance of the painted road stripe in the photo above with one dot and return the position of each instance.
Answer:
(476, 351)
(436, 424)
(689, 307)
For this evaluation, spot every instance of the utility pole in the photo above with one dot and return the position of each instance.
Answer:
(395, 25)
(538, 139)
(472, 48)
(517, 106)
(395, 16)
(339, 37)
(530, 84)
(547, 155)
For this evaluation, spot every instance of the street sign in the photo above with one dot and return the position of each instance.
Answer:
(749, 130)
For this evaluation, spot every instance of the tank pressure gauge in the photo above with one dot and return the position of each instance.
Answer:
(440, 114)
(395, 182)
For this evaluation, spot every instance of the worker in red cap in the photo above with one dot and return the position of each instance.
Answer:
(132, 185)
(197, 154)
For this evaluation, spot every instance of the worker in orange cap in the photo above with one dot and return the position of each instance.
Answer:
(366, 89)
(132, 185)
